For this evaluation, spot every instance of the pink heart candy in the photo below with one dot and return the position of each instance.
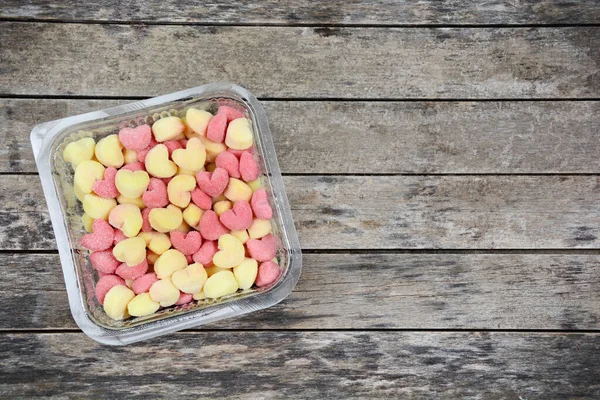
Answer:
(136, 138)
(106, 187)
(210, 226)
(126, 272)
(104, 285)
(268, 272)
(135, 166)
(260, 205)
(184, 298)
(263, 249)
(155, 195)
(206, 253)
(146, 227)
(143, 283)
(213, 183)
(187, 243)
(229, 163)
(248, 167)
(239, 217)
(172, 145)
(104, 261)
(230, 113)
(201, 199)
(217, 127)
(101, 238)
(119, 235)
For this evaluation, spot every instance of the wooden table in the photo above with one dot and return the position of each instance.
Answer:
(442, 161)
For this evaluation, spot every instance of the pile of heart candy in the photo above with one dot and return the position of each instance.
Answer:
(175, 212)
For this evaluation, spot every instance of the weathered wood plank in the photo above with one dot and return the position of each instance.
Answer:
(390, 212)
(421, 63)
(275, 365)
(337, 12)
(365, 291)
(393, 137)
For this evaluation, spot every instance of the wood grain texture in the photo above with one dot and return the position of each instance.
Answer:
(368, 291)
(388, 212)
(381, 137)
(275, 365)
(336, 12)
(141, 60)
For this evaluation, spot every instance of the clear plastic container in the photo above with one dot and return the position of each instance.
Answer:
(48, 141)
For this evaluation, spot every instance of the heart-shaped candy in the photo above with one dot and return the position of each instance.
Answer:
(158, 164)
(155, 195)
(127, 272)
(248, 167)
(119, 235)
(101, 238)
(231, 252)
(106, 187)
(165, 219)
(167, 128)
(213, 183)
(263, 249)
(141, 154)
(187, 243)
(206, 253)
(131, 251)
(104, 261)
(201, 199)
(79, 151)
(229, 163)
(170, 261)
(109, 151)
(143, 283)
(268, 272)
(230, 113)
(239, 134)
(172, 145)
(260, 204)
(136, 138)
(191, 158)
(86, 173)
(190, 279)
(238, 218)
(210, 226)
(132, 184)
(179, 190)
(198, 120)
(156, 242)
(216, 128)
(127, 218)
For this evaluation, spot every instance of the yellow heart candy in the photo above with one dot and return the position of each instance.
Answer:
(86, 173)
(259, 228)
(167, 128)
(164, 292)
(221, 206)
(231, 252)
(127, 218)
(169, 262)
(220, 284)
(179, 189)
(198, 120)
(158, 164)
(191, 279)
(109, 151)
(131, 251)
(192, 215)
(165, 219)
(116, 301)
(81, 150)
(242, 235)
(131, 184)
(97, 207)
(157, 242)
(239, 134)
(245, 273)
(191, 158)
(141, 305)
(237, 190)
